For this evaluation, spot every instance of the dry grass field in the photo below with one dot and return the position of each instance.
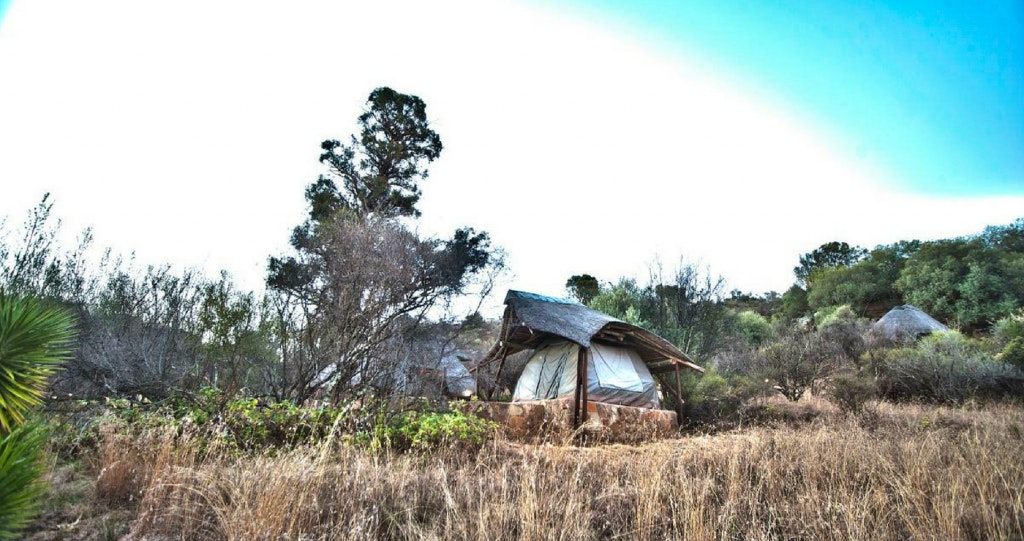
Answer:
(804, 471)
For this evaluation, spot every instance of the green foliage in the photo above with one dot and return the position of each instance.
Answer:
(828, 255)
(794, 304)
(583, 287)
(712, 397)
(946, 367)
(250, 425)
(867, 285)
(834, 315)
(766, 304)
(21, 467)
(753, 327)
(34, 341)
(419, 431)
(380, 169)
(1013, 353)
(794, 361)
(245, 424)
(964, 281)
(684, 307)
(1009, 327)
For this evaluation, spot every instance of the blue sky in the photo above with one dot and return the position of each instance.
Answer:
(585, 138)
(933, 90)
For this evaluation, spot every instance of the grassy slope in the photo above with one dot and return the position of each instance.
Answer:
(898, 472)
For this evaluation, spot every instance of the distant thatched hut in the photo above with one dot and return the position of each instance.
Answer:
(906, 322)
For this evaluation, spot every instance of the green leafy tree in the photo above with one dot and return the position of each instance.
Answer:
(753, 328)
(583, 287)
(1009, 238)
(868, 286)
(794, 303)
(828, 255)
(380, 169)
(964, 281)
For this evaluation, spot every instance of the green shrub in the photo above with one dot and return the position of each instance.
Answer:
(753, 327)
(945, 367)
(851, 391)
(714, 398)
(413, 430)
(1009, 327)
(833, 315)
(1013, 353)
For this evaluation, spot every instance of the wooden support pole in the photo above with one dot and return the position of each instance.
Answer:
(679, 396)
(579, 399)
(576, 395)
(584, 361)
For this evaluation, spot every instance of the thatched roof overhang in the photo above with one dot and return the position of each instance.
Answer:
(532, 319)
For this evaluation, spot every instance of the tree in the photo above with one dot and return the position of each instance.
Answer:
(964, 281)
(380, 170)
(795, 361)
(794, 303)
(360, 279)
(684, 307)
(828, 255)
(868, 286)
(583, 287)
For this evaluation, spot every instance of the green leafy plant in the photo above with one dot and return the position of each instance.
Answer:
(20, 472)
(34, 341)
(413, 430)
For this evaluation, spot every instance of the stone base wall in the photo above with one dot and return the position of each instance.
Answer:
(538, 419)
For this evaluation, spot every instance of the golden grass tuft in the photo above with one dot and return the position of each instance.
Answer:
(902, 472)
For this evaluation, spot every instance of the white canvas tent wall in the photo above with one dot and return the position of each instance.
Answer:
(615, 375)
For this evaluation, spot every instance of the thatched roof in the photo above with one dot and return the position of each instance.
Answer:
(531, 319)
(906, 322)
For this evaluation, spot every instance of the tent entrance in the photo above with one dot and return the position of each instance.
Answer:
(614, 375)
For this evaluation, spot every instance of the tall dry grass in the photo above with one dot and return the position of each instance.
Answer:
(904, 472)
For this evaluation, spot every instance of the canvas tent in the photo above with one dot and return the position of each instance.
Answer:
(906, 322)
(616, 375)
(583, 353)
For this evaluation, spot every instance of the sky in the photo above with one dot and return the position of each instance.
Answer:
(585, 137)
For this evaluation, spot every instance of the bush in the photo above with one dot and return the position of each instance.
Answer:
(1009, 327)
(753, 327)
(413, 430)
(851, 391)
(714, 398)
(795, 361)
(945, 367)
(1013, 353)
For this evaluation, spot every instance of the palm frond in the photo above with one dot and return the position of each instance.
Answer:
(21, 467)
(34, 340)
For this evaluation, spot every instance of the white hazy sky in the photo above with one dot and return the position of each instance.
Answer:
(186, 131)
